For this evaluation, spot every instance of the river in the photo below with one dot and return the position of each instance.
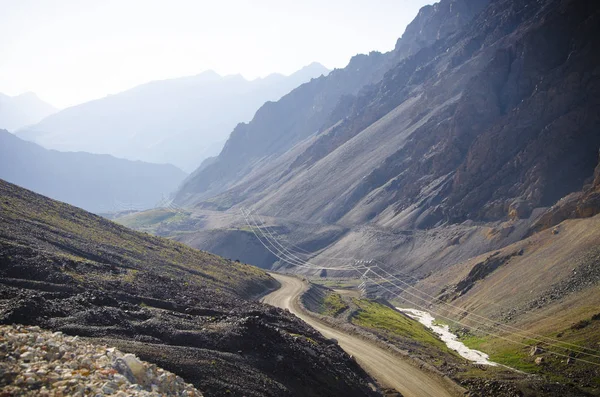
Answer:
(451, 340)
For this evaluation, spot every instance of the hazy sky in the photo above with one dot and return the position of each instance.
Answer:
(71, 51)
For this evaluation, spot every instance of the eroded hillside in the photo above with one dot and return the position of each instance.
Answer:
(185, 310)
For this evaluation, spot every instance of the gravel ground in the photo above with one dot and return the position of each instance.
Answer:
(34, 362)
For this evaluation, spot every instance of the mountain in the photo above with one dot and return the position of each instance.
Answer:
(179, 121)
(188, 311)
(458, 176)
(22, 110)
(313, 107)
(469, 128)
(98, 183)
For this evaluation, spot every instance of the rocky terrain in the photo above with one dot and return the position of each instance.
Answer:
(466, 167)
(48, 364)
(316, 106)
(185, 310)
(581, 204)
(532, 305)
(419, 148)
(491, 122)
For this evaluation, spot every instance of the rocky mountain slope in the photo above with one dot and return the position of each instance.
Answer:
(179, 121)
(536, 299)
(482, 125)
(471, 127)
(582, 204)
(316, 106)
(185, 310)
(97, 183)
(22, 110)
(457, 168)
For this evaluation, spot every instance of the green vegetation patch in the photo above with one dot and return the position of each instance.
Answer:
(512, 355)
(151, 217)
(562, 355)
(376, 316)
(336, 283)
(333, 304)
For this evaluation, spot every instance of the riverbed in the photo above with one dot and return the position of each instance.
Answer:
(451, 340)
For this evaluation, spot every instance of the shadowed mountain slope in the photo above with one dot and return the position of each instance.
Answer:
(315, 106)
(95, 182)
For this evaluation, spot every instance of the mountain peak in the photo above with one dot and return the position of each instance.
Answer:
(206, 76)
(22, 110)
(312, 69)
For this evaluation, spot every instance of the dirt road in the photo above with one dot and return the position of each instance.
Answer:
(388, 369)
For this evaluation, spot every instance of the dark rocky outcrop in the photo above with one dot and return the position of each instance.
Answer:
(480, 271)
(582, 204)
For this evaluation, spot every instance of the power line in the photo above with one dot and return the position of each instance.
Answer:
(298, 262)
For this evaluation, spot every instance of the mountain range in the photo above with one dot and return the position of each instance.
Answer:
(455, 164)
(320, 110)
(179, 121)
(95, 182)
(486, 123)
(22, 110)
(457, 174)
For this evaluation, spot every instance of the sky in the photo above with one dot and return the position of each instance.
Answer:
(72, 51)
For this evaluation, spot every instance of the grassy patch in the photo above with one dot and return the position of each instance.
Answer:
(333, 304)
(151, 218)
(554, 367)
(515, 356)
(379, 317)
(336, 283)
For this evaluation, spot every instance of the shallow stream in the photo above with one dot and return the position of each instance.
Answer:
(448, 337)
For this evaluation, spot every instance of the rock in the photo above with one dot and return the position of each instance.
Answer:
(27, 356)
(535, 350)
(519, 209)
(135, 366)
(539, 360)
(82, 371)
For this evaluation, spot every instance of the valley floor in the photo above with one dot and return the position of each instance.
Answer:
(386, 367)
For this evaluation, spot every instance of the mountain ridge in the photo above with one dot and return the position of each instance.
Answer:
(316, 106)
(22, 110)
(178, 121)
(479, 83)
(99, 183)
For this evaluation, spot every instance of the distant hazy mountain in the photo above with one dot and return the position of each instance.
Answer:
(95, 182)
(22, 110)
(179, 121)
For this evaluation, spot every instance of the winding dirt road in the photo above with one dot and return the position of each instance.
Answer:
(388, 369)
